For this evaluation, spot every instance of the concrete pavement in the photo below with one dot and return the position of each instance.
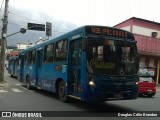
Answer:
(158, 87)
(3, 85)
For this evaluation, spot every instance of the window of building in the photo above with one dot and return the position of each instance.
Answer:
(151, 63)
(142, 62)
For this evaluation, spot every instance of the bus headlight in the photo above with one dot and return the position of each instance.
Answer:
(91, 81)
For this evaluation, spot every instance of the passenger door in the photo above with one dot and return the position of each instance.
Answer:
(75, 68)
(38, 68)
(21, 70)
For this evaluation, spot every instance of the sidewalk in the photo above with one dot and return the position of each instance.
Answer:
(158, 87)
(3, 85)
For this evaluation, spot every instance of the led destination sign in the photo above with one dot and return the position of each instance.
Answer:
(109, 32)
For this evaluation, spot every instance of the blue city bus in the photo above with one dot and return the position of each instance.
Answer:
(90, 63)
(13, 66)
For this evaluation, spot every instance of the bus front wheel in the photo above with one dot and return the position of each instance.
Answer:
(62, 91)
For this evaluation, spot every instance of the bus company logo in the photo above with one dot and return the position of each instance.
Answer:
(6, 114)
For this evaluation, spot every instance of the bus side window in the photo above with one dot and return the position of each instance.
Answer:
(49, 53)
(33, 56)
(30, 57)
(27, 58)
(79, 53)
(61, 51)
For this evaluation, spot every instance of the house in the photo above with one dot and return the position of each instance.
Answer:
(147, 35)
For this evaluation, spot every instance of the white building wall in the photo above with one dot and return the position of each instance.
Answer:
(23, 46)
(144, 31)
(127, 28)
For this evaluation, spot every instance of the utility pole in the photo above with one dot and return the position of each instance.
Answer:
(3, 41)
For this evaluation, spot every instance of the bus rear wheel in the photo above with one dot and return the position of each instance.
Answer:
(62, 91)
(28, 83)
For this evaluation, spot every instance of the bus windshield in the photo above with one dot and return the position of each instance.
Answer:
(111, 57)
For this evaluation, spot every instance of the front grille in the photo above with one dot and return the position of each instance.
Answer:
(115, 87)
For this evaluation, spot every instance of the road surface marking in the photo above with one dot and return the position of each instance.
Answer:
(18, 84)
(24, 88)
(2, 91)
(16, 90)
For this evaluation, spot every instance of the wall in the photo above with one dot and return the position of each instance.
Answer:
(23, 46)
(127, 28)
(144, 31)
(148, 45)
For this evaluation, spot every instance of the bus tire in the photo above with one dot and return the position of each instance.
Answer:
(28, 83)
(62, 91)
(11, 75)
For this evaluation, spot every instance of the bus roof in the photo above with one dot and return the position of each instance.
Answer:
(87, 30)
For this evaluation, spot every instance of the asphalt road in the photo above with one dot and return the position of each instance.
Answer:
(15, 97)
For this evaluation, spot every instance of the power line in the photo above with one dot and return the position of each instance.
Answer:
(35, 20)
(19, 21)
(24, 17)
(25, 25)
(16, 24)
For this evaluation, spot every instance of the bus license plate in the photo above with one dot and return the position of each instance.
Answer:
(118, 95)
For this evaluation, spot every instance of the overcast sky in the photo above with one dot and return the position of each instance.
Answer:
(100, 12)
(69, 14)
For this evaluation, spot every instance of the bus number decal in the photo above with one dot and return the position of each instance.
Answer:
(109, 31)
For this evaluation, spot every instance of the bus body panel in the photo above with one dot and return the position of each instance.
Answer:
(107, 87)
(13, 66)
(51, 75)
(74, 72)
